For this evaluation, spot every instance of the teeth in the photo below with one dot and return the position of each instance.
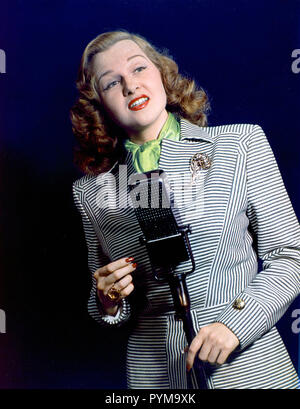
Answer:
(138, 102)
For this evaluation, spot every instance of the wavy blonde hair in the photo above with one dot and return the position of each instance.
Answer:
(99, 138)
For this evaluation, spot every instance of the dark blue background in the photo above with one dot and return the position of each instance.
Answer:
(238, 51)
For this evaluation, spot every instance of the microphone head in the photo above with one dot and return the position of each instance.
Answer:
(153, 202)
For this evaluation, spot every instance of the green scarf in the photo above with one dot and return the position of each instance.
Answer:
(146, 157)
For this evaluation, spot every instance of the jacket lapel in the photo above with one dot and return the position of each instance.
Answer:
(204, 206)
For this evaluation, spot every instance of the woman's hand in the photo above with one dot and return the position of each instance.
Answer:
(215, 342)
(117, 275)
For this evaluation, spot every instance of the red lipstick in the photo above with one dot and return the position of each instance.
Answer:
(144, 102)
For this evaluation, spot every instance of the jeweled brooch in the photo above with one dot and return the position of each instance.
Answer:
(199, 161)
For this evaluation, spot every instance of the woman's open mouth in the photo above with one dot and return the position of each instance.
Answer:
(138, 103)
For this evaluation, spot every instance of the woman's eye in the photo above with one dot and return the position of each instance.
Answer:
(110, 85)
(139, 69)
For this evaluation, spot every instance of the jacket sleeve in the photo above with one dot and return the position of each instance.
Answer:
(96, 259)
(277, 231)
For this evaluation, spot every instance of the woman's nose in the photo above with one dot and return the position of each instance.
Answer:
(129, 86)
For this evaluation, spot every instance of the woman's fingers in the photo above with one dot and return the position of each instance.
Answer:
(205, 351)
(115, 275)
(193, 350)
(127, 290)
(222, 358)
(113, 272)
(213, 343)
(123, 283)
(123, 286)
(212, 357)
(113, 266)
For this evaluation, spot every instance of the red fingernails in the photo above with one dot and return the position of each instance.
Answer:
(130, 260)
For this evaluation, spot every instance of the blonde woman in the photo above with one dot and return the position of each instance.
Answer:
(135, 113)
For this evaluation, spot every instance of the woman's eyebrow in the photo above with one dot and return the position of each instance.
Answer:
(137, 55)
(105, 73)
(128, 59)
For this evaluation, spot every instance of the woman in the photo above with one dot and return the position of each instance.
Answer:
(136, 113)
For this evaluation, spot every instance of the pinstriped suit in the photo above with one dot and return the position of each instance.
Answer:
(245, 212)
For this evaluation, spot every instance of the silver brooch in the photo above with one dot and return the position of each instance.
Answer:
(199, 161)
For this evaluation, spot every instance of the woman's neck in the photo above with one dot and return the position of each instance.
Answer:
(150, 132)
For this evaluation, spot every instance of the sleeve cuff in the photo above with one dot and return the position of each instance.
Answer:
(122, 315)
(112, 318)
(245, 318)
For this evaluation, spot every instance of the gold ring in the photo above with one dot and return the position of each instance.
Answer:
(113, 294)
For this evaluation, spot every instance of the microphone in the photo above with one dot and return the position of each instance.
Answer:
(166, 241)
(168, 245)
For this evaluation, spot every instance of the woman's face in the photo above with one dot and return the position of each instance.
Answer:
(131, 89)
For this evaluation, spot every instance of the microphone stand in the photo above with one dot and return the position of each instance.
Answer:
(168, 245)
(181, 300)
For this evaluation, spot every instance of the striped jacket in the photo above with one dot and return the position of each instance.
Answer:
(242, 212)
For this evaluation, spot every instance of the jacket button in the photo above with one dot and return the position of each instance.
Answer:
(239, 304)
